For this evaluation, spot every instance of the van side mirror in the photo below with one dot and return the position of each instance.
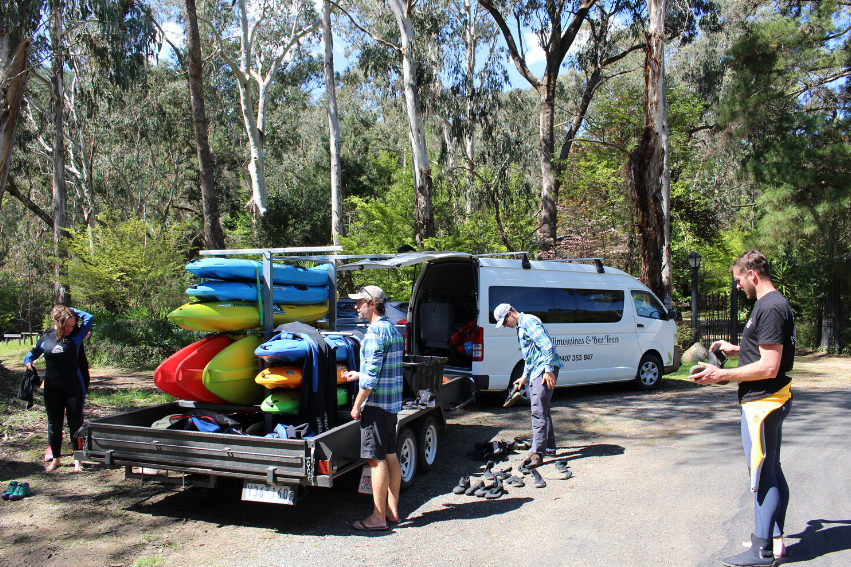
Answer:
(672, 314)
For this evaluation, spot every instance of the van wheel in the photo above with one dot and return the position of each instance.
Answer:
(406, 452)
(426, 444)
(650, 372)
(524, 393)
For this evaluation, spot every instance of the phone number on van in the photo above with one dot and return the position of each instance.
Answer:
(576, 357)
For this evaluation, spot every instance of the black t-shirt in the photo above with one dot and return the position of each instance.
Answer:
(771, 323)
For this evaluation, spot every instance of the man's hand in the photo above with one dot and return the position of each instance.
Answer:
(548, 379)
(30, 366)
(709, 375)
(351, 376)
(356, 413)
(727, 348)
(520, 381)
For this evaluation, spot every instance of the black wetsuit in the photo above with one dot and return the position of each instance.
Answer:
(64, 385)
(771, 323)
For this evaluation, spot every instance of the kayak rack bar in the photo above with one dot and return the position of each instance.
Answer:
(294, 250)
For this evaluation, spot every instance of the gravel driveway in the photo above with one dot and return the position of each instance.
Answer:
(659, 479)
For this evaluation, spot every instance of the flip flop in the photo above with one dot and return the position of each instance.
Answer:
(559, 475)
(361, 527)
(463, 485)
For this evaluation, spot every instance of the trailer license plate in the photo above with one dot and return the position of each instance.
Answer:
(271, 493)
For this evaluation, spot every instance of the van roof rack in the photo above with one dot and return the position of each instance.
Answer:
(500, 254)
(598, 262)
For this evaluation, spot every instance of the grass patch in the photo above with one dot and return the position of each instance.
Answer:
(127, 399)
(148, 561)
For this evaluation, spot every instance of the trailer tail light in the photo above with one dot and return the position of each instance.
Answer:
(408, 336)
(478, 344)
(323, 467)
(80, 443)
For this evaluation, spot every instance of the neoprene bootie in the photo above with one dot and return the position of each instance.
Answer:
(760, 554)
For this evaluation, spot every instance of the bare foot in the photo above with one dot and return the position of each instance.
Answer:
(54, 464)
(779, 546)
(78, 466)
(390, 517)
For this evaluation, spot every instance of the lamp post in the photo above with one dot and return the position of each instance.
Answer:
(694, 262)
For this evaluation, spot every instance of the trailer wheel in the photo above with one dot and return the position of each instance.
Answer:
(406, 451)
(426, 444)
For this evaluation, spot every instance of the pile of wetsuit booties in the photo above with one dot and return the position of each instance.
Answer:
(492, 484)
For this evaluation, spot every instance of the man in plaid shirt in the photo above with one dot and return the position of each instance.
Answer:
(378, 401)
(542, 363)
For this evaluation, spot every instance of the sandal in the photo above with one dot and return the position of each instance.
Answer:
(361, 527)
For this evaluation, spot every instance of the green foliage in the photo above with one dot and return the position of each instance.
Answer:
(136, 339)
(120, 265)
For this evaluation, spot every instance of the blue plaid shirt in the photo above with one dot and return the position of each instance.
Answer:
(539, 352)
(381, 365)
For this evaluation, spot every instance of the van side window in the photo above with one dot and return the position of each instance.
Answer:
(560, 305)
(646, 305)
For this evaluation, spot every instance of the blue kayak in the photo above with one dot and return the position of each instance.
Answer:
(283, 347)
(243, 291)
(246, 270)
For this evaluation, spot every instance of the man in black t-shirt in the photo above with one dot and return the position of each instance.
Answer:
(766, 356)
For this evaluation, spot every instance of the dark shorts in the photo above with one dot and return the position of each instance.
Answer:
(377, 433)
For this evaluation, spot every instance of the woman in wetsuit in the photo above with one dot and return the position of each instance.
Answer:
(64, 389)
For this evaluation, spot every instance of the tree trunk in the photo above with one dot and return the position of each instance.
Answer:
(548, 215)
(13, 78)
(213, 235)
(644, 169)
(337, 227)
(61, 293)
(471, 44)
(657, 32)
(419, 149)
(37, 211)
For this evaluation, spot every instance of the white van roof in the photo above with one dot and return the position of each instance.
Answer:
(413, 258)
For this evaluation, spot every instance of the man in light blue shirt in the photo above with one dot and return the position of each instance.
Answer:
(541, 366)
(378, 401)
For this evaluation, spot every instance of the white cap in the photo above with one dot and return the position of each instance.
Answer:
(500, 313)
(370, 292)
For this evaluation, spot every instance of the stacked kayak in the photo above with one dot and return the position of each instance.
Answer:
(230, 316)
(287, 401)
(223, 369)
(234, 269)
(214, 290)
(284, 348)
(287, 353)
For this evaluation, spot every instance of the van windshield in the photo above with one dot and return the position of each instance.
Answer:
(560, 305)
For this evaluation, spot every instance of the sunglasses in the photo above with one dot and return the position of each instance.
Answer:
(363, 290)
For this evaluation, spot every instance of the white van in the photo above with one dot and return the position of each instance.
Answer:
(607, 326)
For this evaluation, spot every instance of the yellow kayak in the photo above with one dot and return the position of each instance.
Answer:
(290, 376)
(227, 316)
(230, 374)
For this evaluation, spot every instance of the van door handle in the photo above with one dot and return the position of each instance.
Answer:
(641, 325)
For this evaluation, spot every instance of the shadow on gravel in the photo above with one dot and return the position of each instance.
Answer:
(471, 509)
(819, 539)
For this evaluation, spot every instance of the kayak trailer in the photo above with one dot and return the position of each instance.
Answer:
(272, 469)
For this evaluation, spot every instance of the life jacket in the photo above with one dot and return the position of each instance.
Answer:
(461, 340)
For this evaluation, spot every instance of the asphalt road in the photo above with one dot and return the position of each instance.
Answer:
(659, 480)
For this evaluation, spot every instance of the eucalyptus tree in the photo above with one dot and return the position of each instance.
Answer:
(269, 35)
(337, 226)
(118, 38)
(556, 24)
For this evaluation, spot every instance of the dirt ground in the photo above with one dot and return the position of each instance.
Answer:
(99, 518)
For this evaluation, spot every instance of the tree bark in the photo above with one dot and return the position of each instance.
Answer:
(337, 227)
(643, 171)
(213, 235)
(13, 78)
(61, 293)
(419, 150)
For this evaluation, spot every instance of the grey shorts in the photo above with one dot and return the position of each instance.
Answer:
(377, 433)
